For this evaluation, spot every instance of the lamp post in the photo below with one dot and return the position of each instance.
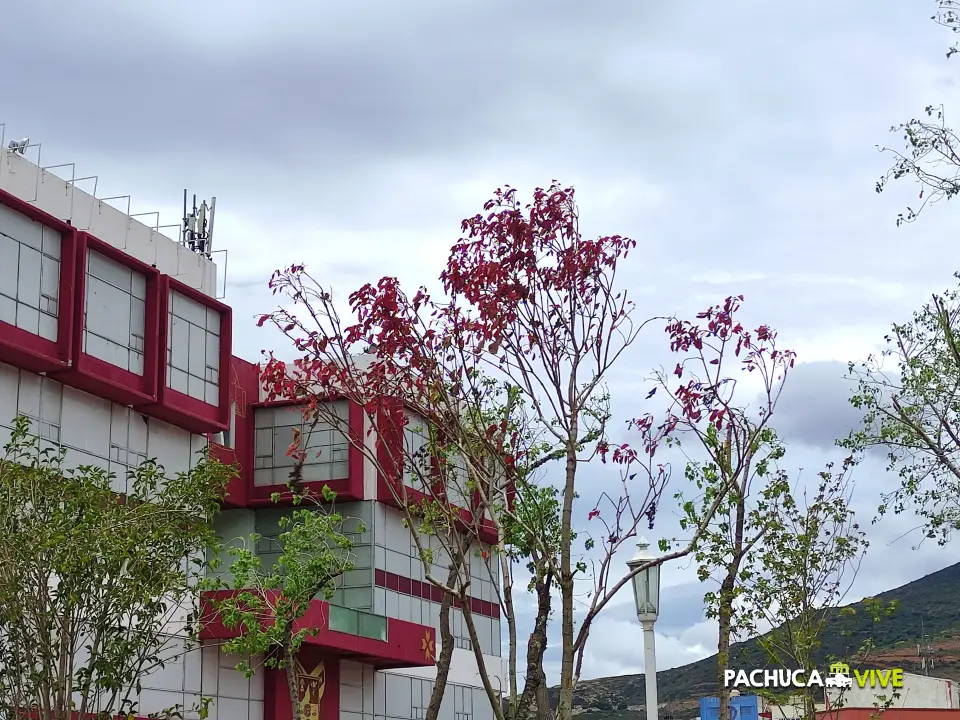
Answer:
(646, 592)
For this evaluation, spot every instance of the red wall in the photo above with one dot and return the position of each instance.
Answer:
(276, 697)
(891, 714)
(244, 383)
(66, 362)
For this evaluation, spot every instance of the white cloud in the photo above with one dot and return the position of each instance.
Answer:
(618, 648)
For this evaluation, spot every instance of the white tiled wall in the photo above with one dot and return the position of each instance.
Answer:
(236, 697)
(114, 313)
(356, 691)
(416, 462)
(29, 274)
(403, 697)
(192, 673)
(103, 434)
(396, 552)
(193, 352)
(93, 430)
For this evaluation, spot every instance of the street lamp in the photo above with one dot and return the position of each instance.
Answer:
(646, 593)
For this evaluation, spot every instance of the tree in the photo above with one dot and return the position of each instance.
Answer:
(802, 570)
(912, 410)
(931, 154)
(741, 451)
(725, 549)
(94, 586)
(947, 15)
(507, 374)
(268, 605)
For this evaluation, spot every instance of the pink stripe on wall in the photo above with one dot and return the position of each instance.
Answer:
(426, 591)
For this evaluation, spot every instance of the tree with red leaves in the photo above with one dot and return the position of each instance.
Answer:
(503, 377)
(736, 454)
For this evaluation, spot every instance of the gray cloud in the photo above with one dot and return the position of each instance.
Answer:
(814, 408)
(681, 608)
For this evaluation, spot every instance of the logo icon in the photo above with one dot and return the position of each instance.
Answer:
(840, 676)
(427, 645)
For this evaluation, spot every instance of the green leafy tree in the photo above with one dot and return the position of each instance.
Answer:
(875, 612)
(94, 587)
(731, 451)
(910, 398)
(531, 540)
(802, 569)
(266, 605)
(741, 475)
(930, 154)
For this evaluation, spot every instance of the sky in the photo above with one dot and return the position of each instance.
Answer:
(736, 142)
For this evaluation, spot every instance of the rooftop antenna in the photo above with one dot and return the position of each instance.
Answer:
(20, 147)
(197, 225)
(213, 211)
(925, 651)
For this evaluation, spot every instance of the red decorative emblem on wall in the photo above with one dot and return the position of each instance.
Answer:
(427, 645)
(310, 687)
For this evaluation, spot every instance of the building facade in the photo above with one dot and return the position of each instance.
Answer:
(917, 692)
(112, 341)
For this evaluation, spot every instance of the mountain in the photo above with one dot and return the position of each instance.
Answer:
(929, 603)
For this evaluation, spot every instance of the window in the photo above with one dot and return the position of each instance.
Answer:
(114, 313)
(416, 459)
(193, 349)
(29, 274)
(462, 703)
(356, 622)
(41, 399)
(128, 445)
(420, 698)
(457, 490)
(327, 448)
(461, 636)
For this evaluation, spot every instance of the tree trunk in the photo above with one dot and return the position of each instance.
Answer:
(290, 663)
(544, 712)
(567, 659)
(724, 620)
(535, 685)
(446, 645)
(511, 619)
(725, 610)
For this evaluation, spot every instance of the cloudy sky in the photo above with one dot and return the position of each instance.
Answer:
(735, 141)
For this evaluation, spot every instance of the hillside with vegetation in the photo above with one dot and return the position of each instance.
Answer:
(926, 608)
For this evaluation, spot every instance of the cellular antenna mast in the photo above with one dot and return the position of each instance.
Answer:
(198, 225)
